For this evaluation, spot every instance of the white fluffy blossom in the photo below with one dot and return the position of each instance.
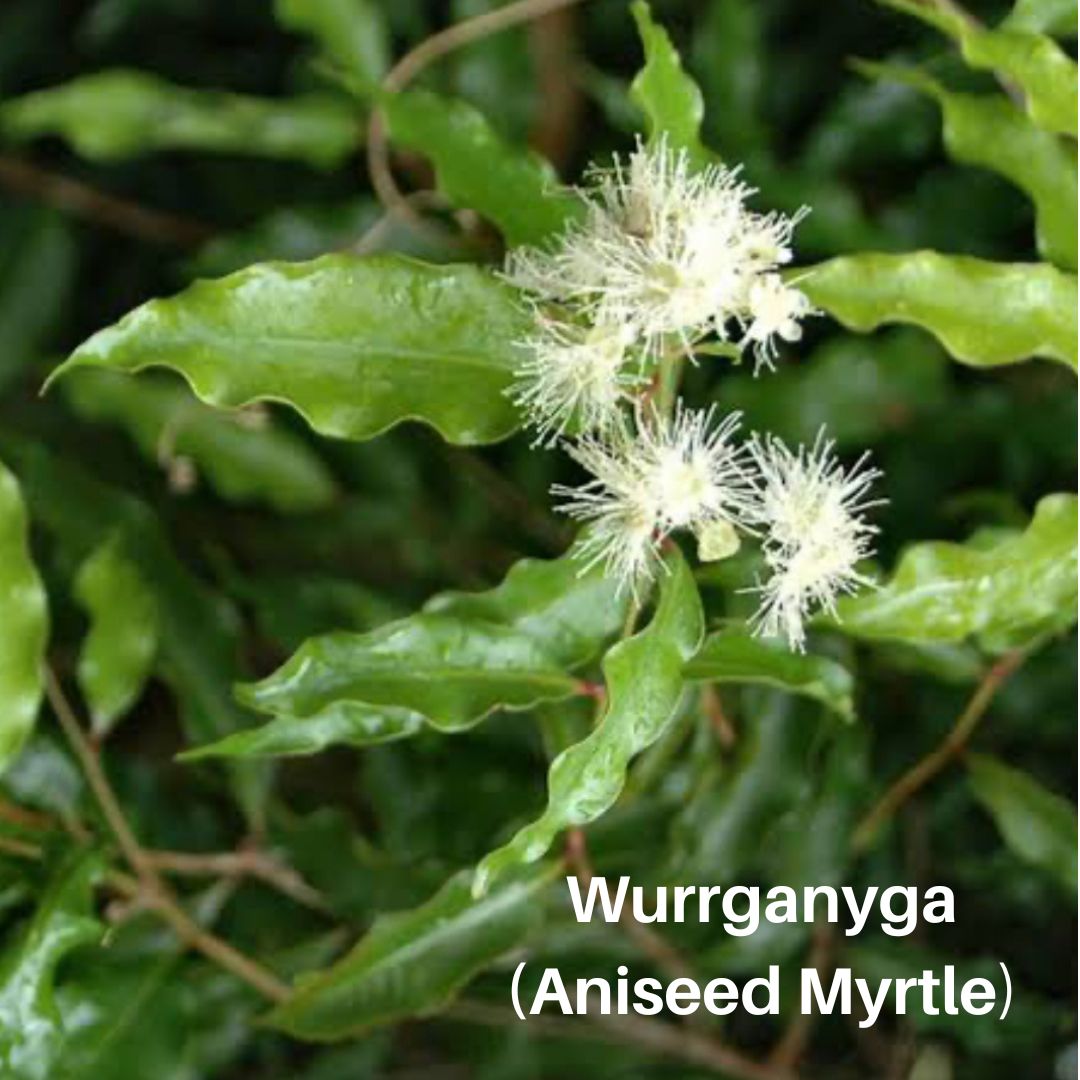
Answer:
(672, 253)
(810, 508)
(647, 483)
(573, 373)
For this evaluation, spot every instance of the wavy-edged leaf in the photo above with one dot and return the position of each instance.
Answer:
(356, 345)
(665, 93)
(476, 168)
(1018, 589)
(989, 131)
(1037, 825)
(244, 456)
(447, 667)
(644, 677)
(199, 630)
(31, 1027)
(984, 313)
(737, 657)
(353, 33)
(24, 610)
(1041, 69)
(413, 963)
(118, 653)
(113, 115)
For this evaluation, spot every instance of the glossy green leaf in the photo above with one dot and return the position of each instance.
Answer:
(32, 1030)
(1036, 825)
(1020, 588)
(477, 169)
(118, 653)
(669, 98)
(644, 684)
(733, 656)
(414, 963)
(355, 345)
(989, 131)
(113, 115)
(1036, 64)
(244, 456)
(449, 666)
(353, 33)
(984, 313)
(1043, 17)
(25, 625)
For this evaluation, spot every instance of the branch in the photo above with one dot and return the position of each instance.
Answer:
(148, 886)
(74, 197)
(952, 745)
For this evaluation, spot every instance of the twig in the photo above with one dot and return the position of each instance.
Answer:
(418, 58)
(791, 1046)
(655, 1036)
(149, 884)
(245, 863)
(19, 848)
(75, 197)
(952, 745)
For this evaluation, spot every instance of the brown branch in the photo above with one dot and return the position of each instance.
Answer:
(951, 746)
(654, 1036)
(248, 862)
(788, 1051)
(413, 62)
(148, 885)
(110, 211)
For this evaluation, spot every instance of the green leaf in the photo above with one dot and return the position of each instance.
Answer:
(414, 963)
(356, 345)
(644, 684)
(735, 656)
(984, 313)
(477, 169)
(989, 131)
(1022, 587)
(113, 115)
(31, 1027)
(352, 32)
(26, 625)
(1043, 17)
(1039, 66)
(244, 456)
(448, 667)
(669, 98)
(118, 654)
(1036, 825)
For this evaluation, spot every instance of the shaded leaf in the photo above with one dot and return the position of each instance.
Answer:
(448, 667)
(669, 98)
(25, 625)
(988, 130)
(1035, 63)
(644, 684)
(1008, 594)
(984, 313)
(355, 345)
(118, 653)
(735, 656)
(32, 1029)
(112, 115)
(1037, 825)
(352, 32)
(477, 169)
(413, 963)
(244, 456)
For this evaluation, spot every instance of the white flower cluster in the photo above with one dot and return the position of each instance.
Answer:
(663, 257)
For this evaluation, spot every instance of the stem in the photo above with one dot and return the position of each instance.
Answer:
(80, 199)
(149, 885)
(418, 58)
(951, 746)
